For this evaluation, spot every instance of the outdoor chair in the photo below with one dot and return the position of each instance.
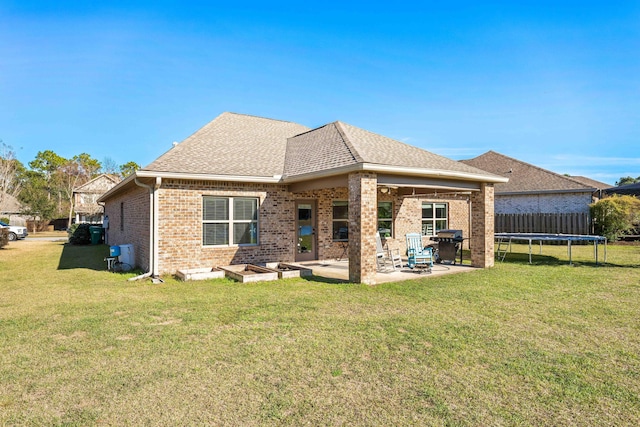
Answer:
(419, 256)
(383, 256)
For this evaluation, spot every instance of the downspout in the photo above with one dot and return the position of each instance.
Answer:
(156, 244)
(470, 203)
(153, 229)
(106, 231)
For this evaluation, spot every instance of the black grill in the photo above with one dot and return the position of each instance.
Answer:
(455, 235)
(449, 244)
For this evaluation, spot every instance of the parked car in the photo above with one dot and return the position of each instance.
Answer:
(15, 232)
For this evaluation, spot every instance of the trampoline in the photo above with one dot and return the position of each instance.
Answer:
(505, 239)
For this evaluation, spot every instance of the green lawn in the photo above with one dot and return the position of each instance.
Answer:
(518, 344)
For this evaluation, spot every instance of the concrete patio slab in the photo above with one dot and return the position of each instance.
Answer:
(340, 270)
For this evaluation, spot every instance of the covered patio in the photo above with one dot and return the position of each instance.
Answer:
(406, 189)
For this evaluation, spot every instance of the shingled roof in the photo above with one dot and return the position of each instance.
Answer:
(339, 144)
(231, 144)
(9, 204)
(591, 182)
(247, 146)
(525, 177)
(628, 189)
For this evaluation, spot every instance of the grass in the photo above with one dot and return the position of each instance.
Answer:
(518, 344)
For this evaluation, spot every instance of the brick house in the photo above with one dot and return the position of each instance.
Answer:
(538, 200)
(85, 198)
(246, 189)
(11, 208)
(531, 189)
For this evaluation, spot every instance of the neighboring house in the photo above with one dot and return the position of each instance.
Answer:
(533, 190)
(10, 208)
(246, 189)
(85, 198)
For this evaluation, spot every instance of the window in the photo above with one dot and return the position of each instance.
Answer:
(340, 221)
(385, 219)
(434, 218)
(229, 220)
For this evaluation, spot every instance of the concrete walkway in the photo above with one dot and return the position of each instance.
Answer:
(340, 270)
(45, 239)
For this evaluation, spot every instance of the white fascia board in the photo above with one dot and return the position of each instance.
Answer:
(436, 173)
(534, 192)
(275, 179)
(397, 170)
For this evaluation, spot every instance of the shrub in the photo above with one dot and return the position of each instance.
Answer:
(79, 234)
(615, 216)
(5, 219)
(4, 237)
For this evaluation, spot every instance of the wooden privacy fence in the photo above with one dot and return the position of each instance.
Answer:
(552, 223)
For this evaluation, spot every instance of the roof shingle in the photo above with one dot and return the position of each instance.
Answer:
(523, 177)
(340, 144)
(248, 146)
(231, 144)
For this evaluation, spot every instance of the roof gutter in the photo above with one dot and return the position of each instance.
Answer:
(532, 192)
(275, 179)
(280, 179)
(397, 170)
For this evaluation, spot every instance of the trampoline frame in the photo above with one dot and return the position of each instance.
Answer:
(543, 237)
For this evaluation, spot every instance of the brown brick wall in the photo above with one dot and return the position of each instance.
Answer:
(327, 248)
(482, 238)
(408, 217)
(180, 225)
(363, 222)
(135, 228)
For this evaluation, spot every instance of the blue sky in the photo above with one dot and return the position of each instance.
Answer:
(556, 84)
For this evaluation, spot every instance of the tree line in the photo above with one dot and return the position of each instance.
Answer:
(627, 180)
(45, 186)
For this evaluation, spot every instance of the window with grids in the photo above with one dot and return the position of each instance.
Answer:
(434, 218)
(340, 221)
(385, 219)
(229, 221)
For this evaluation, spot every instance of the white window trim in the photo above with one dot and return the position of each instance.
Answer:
(231, 221)
(434, 218)
(391, 234)
(334, 220)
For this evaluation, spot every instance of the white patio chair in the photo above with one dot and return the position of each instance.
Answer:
(383, 256)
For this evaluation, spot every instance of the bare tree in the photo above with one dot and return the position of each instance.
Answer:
(9, 167)
(109, 166)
